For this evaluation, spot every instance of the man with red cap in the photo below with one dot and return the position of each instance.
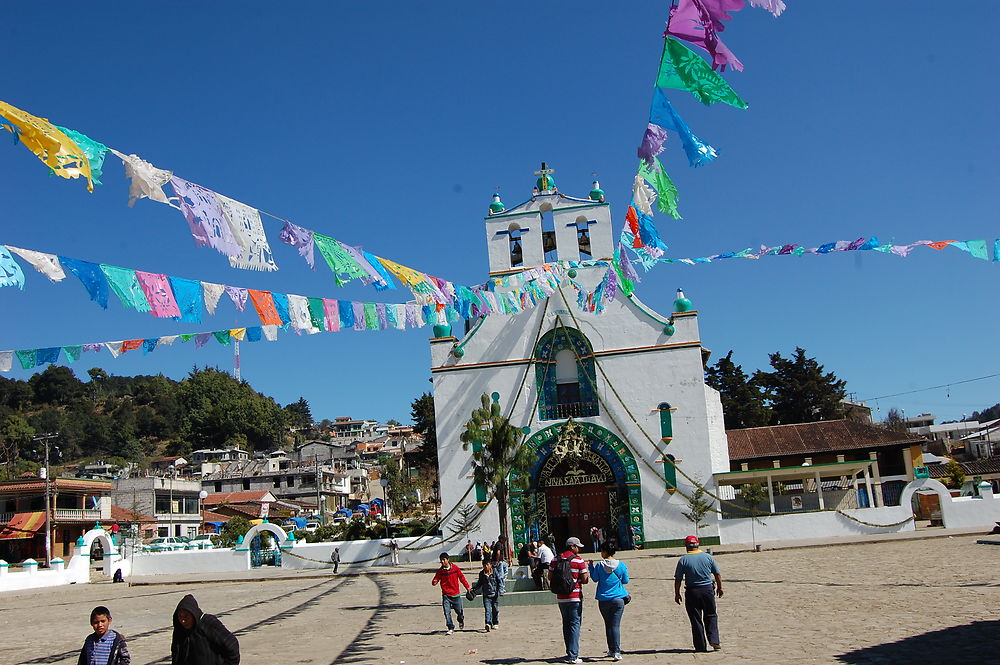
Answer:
(697, 570)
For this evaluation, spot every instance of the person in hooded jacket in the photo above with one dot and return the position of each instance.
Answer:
(491, 585)
(201, 639)
(611, 576)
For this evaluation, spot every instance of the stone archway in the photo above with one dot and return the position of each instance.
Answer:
(255, 532)
(943, 494)
(112, 556)
(606, 466)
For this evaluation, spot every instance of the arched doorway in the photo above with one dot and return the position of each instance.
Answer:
(592, 482)
(263, 544)
(579, 492)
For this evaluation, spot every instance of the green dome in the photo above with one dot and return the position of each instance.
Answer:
(545, 182)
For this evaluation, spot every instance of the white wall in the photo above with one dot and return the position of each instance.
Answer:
(822, 524)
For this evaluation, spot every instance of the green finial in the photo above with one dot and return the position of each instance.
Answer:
(682, 304)
(497, 205)
(596, 193)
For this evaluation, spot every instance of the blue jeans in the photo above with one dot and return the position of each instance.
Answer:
(572, 618)
(492, 607)
(612, 611)
(699, 601)
(449, 603)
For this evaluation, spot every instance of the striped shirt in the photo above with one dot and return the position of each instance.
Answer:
(578, 567)
(101, 651)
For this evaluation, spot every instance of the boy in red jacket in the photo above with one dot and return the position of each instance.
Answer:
(450, 575)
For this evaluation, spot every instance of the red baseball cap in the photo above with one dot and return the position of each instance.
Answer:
(691, 540)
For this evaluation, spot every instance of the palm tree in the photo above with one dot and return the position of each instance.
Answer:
(497, 455)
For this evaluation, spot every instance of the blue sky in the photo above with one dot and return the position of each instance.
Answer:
(389, 124)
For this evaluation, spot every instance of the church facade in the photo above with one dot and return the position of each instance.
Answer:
(613, 404)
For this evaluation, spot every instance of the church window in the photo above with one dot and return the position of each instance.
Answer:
(670, 473)
(515, 245)
(565, 374)
(582, 225)
(548, 234)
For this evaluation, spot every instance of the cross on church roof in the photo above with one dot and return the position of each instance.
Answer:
(545, 183)
(544, 170)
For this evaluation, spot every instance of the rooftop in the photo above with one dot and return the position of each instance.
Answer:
(812, 438)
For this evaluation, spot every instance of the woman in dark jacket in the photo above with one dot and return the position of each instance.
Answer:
(201, 639)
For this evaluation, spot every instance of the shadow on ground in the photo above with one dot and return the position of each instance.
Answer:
(562, 659)
(969, 643)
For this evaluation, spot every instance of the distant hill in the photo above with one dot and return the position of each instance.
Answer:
(136, 417)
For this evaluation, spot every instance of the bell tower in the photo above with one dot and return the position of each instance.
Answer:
(550, 226)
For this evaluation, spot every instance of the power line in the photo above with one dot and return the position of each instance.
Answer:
(943, 385)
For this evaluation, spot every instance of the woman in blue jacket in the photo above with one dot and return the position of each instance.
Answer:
(611, 576)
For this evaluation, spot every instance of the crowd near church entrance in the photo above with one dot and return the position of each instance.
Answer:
(585, 477)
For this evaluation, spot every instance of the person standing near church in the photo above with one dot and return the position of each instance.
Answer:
(571, 602)
(697, 570)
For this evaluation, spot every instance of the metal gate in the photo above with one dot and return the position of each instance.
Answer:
(260, 556)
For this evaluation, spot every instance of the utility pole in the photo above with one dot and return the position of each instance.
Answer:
(384, 481)
(173, 471)
(48, 494)
(319, 498)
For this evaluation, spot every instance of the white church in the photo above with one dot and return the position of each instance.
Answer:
(613, 404)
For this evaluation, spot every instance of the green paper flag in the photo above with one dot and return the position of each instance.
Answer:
(222, 337)
(317, 316)
(683, 69)
(371, 316)
(126, 286)
(72, 353)
(666, 193)
(338, 259)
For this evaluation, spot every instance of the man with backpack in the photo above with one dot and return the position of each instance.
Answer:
(567, 573)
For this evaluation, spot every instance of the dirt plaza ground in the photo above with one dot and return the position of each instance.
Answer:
(895, 601)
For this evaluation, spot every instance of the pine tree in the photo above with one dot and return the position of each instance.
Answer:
(742, 396)
(698, 507)
(799, 391)
(422, 412)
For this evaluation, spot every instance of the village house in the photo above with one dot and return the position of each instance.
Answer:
(172, 502)
(821, 465)
(76, 506)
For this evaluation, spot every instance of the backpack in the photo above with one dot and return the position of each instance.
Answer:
(562, 577)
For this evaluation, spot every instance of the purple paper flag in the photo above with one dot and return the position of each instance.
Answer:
(204, 215)
(691, 21)
(238, 295)
(652, 143)
(719, 11)
(301, 239)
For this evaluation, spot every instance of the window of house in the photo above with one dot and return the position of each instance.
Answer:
(277, 481)
(218, 487)
(291, 481)
(246, 485)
